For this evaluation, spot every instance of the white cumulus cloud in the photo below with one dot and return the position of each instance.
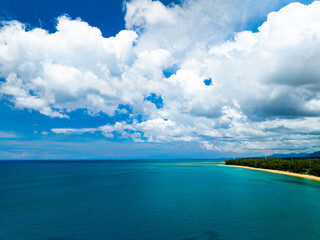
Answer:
(265, 86)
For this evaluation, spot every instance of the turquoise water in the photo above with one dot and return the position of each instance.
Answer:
(144, 200)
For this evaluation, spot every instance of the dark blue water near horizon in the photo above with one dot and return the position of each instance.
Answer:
(144, 200)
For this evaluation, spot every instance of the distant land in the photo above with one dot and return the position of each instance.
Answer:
(289, 155)
(295, 155)
(300, 167)
(315, 154)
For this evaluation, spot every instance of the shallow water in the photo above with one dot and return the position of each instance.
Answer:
(140, 200)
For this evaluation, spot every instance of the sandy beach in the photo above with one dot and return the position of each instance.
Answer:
(315, 178)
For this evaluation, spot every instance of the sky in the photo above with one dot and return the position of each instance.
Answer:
(146, 79)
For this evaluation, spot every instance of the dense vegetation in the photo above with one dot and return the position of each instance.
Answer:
(304, 166)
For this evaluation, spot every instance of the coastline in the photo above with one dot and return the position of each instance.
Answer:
(310, 177)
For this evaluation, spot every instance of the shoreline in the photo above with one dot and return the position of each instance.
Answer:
(310, 177)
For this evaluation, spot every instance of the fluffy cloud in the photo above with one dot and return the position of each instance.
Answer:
(155, 130)
(72, 68)
(265, 86)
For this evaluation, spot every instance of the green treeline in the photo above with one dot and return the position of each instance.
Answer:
(305, 166)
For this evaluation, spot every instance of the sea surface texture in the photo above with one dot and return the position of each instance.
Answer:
(151, 200)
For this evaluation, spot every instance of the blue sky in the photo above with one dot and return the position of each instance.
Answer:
(149, 79)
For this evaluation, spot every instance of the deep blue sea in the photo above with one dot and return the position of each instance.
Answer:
(153, 200)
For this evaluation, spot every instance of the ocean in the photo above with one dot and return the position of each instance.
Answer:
(153, 200)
